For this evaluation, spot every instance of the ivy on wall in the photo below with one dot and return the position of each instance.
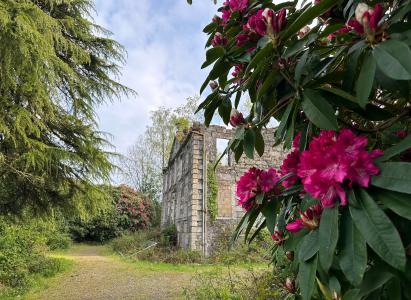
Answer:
(212, 192)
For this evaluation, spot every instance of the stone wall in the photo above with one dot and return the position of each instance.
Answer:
(183, 184)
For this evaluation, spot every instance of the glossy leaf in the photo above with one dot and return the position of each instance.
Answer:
(267, 83)
(304, 137)
(393, 288)
(352, 250)
(219, 69)
(328, 236)
(394, 59)
(292, 242)
(349, 76)
(300, 67)
(318, 111)
(249, 143)
(390, 152)
(373, 281)
(307, 202)
(394, 176)
(365, 80)
(309, 246)
(212, 55)
(378, 230)
(306, 277)
(259, 143)
(398, 202)
(271, 216)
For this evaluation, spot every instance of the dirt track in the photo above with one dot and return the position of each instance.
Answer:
(98, 277)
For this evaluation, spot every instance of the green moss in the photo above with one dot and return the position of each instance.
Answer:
(212, 192)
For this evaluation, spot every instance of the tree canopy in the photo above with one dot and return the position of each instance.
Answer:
(56, 67)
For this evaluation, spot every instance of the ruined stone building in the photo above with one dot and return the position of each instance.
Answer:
(184, 195)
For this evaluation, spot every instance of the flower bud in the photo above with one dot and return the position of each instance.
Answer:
(290, 285)
(400, 134)
(219, 40)
(213, 85)
(304, 31)
(290, 256)
(359, 12)
(281, 19)
(376, 16)
(366, 24)
(236, 118)
(216, 19)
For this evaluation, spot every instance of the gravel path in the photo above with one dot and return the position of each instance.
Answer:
(98, 277)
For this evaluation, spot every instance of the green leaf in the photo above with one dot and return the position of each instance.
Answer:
(349, 76)
(394, 176)
(271, 216)
(304, 137)
(393, 288)
(292, 242)
(284, 119)
(239, 151)
(307, 202)
(267, 83)
(394, 59)
(296, 189)
(390, 152)
(335, 284)
(398, 202)
(372, 282)
(306, 277)
(351, 294)
(207, 80)
(378, 230)
(328, 236)
(249, 142)
(212, 55)
(219, 69)
(259, 198)
(341, 93)
(352, 249)
(318, 111)
(365, 80)
(259, 56)
(255, 73)
(233, 31)
(307, 17)
(206, 101)
(244, 57)
(300, 67)
(259, 143)
(240, 228)
(309, 246)
(387, 137)
(210, 27)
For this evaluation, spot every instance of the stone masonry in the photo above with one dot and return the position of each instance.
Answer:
(183, 184)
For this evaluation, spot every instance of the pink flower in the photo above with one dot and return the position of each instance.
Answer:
(361, 169)
(254, 182)
(240, 5)
(401, 134)
(310, 219)
(330, 160)
(290, 165)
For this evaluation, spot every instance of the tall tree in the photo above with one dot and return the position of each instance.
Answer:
(56, 67)
(144, 161)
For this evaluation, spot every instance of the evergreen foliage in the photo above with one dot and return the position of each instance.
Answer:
(56, 68)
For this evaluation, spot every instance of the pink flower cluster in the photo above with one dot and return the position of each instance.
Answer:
(310, 219)
(253, 183)
(265, 23)
(240, 5)
(345, 29)
(330, 160)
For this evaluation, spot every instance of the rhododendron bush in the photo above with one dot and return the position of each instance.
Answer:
(336, 76)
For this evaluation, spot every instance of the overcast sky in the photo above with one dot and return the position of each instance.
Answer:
(165, 46)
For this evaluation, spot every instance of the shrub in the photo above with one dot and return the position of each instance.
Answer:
(169, 236)
(22, 249)
(58, 241)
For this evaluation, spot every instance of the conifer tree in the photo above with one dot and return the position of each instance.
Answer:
(56, 67)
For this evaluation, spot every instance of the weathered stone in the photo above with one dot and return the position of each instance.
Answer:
(183, 184)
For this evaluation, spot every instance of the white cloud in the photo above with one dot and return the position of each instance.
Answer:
(165, 46)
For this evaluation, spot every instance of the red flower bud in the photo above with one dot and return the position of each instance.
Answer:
(213, 85)
(219, 40)
(290, 285)
(216, 19)
(236, 118)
